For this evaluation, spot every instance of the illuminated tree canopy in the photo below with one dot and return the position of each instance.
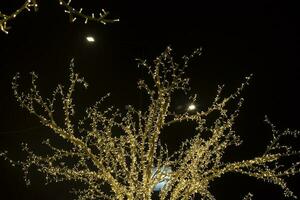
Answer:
(119, 155)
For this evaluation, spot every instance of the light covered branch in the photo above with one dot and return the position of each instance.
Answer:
(73, 13)
(5, 18)
(119, 155)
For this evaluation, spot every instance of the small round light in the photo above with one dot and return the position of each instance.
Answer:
(191, 107)
(90, 39)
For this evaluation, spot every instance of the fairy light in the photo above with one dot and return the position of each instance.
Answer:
(135, 164)
(5, 18)
(71, 11)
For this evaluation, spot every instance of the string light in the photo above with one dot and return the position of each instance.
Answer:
(72, 12)
(4, 19)
(133, 164)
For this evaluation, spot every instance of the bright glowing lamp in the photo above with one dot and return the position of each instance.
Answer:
(191, 107)
(90, 39)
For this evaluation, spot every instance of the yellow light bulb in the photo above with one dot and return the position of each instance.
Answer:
(90, 39)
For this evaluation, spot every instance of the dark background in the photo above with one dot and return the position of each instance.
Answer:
(238, 38)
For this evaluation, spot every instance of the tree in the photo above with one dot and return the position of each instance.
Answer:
(119, 155)
(73, 13)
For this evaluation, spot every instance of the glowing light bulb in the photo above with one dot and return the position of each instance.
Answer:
(90, 39)
(191, 107)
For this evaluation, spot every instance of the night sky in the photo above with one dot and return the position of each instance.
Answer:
(238, 38)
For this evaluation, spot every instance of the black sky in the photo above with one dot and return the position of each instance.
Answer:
(238, 38)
